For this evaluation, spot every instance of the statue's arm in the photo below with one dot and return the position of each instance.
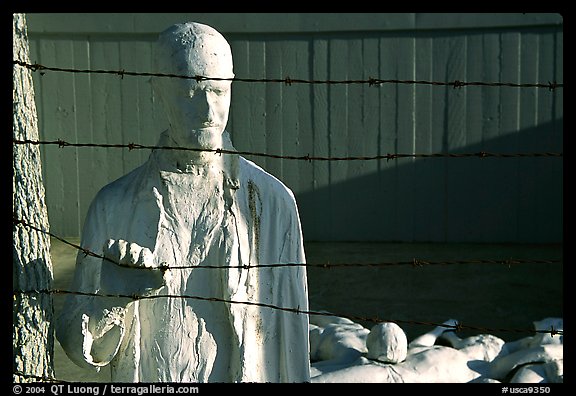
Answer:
(90, 328)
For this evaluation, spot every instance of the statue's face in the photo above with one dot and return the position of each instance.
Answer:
(198, 110)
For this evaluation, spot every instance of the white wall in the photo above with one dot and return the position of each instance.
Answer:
(452, 200)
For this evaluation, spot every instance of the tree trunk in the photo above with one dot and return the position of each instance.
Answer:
(33, 334)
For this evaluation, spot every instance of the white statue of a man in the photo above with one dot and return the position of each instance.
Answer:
(183, 209)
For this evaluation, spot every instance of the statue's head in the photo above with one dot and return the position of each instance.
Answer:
(197, 110)
(387, 343)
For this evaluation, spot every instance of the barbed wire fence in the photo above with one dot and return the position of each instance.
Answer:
(418, 263)
(457, 327)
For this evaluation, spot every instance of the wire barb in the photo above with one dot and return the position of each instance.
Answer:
(553, 331)
(458, 84)
(416, 263)
(458, 327)
(552, 86)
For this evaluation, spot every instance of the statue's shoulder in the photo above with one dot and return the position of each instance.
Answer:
(121, 188)
(266, 183)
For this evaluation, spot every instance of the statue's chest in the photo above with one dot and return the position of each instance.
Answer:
(191, 220)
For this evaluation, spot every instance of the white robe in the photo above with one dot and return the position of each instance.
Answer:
(244, 217)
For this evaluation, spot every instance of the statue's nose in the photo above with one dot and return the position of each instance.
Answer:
(202, 107)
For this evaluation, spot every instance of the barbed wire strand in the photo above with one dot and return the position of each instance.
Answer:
(134, 146)
(456, 327)
(414, 262)
(289, 81)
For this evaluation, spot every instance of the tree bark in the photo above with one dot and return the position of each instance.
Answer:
(33, 334)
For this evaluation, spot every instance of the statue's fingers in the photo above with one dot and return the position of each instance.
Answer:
(107, 248)
(112, 250)
(146, 258)
(121, 251)
(132, 254)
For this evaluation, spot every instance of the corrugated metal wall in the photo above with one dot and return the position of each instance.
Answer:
(436, 199)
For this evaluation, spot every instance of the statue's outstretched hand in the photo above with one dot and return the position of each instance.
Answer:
(129, 269)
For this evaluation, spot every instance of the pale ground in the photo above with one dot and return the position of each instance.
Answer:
(491, 296)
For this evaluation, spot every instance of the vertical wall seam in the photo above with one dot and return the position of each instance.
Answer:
(76, 157)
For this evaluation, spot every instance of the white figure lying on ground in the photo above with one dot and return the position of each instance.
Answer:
(336, 341)
(390, 359)
(538, 358)
(384, 355)
(184, 209)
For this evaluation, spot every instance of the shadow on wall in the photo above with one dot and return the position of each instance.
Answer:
(516, 200)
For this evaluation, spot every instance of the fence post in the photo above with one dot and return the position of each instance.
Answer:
(32, 314)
